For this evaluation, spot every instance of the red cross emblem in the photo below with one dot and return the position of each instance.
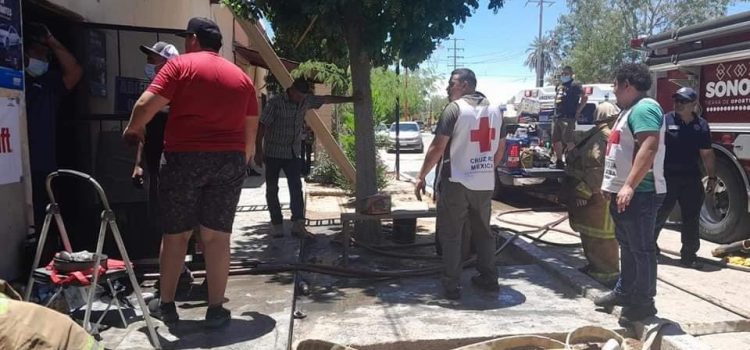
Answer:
(483, 135)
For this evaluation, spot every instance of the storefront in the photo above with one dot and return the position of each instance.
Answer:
(104, 36)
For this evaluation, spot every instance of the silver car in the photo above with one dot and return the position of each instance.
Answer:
(409, 137)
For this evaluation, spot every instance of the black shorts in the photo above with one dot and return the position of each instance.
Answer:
(200, 188)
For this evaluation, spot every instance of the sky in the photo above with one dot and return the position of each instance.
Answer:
(494, 45)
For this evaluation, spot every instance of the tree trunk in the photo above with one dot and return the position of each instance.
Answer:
(359, 60)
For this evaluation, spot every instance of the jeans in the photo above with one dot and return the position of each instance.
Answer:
(293, 171)
(689, 192)
(634, 230)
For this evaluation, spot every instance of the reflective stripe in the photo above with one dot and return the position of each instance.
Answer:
(3, 304)
(92, 344)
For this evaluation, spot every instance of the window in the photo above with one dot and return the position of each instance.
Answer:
(405, 127)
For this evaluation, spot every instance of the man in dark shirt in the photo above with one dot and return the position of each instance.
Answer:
(44, 90)
(687, 140)
(569, 102)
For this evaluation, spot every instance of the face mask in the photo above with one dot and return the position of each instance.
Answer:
(566, 78)
(37, 68)
(150, 71)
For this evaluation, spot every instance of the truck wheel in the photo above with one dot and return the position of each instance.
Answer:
(724, 217)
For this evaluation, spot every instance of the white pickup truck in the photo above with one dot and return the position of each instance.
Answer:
(528, 148)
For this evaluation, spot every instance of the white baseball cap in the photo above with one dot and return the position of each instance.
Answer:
(162, 49)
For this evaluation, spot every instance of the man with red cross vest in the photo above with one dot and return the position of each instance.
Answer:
(467, 147)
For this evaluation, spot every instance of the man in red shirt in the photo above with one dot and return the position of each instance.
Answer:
(211, 103)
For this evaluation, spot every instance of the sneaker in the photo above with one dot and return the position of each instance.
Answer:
(217, 317)
(692, 264)
(559, 164)
(166, 312)
(610, 299)
(278, 230)
(485, 283)
(631, 314)
(453, 294)
(300, 231)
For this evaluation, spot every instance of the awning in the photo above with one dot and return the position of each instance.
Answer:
(254, 58)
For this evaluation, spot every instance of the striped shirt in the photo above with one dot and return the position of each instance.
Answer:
(284, 121)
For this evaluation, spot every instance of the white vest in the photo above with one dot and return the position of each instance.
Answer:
(474, 142)
(621, 151)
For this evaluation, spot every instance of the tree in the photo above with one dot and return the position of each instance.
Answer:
(369, 33)
(594, 37)
(546, 50)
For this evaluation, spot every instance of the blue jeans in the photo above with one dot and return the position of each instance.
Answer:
(293, 171)
(634, 230)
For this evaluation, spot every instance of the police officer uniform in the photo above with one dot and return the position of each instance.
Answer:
(683, 141)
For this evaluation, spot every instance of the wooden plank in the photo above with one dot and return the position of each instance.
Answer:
(322, 133)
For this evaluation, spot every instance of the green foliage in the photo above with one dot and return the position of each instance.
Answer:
(327, 172)
(409, 30)
(327, 73)
(545, 50)
(594, 37)
(364, 33)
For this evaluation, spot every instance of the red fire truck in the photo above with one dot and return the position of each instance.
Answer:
(714, 58)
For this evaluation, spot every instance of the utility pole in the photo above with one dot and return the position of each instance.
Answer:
(540, 48)
(398, 127)
(455, 55)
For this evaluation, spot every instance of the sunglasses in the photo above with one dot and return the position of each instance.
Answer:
(682, 101)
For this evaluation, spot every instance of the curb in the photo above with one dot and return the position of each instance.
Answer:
(672, 337)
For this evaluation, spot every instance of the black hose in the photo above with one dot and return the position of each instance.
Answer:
(265, 269)
(395, 255)
(544, 228)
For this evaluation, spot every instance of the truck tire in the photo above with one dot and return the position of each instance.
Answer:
(724, 217)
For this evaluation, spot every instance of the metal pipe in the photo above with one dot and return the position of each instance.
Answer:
(725, 249)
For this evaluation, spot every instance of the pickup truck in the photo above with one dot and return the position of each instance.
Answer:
(528, 152)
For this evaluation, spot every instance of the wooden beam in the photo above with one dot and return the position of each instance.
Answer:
(322, 133)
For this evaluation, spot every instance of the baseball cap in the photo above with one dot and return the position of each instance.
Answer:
(685, 94)
(201, 26)
(162, 49)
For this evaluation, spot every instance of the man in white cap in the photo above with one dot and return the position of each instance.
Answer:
(153, 145)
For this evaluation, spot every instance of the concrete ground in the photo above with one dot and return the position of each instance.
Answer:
(542, 292)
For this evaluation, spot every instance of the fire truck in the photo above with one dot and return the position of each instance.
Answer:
(714, 58)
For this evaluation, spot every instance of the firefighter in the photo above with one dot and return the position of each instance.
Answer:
(588, 208)
(30, 326)
(688, 141)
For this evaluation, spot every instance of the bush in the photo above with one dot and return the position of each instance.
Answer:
(327, 172)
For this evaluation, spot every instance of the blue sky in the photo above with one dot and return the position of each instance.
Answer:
(494, 45)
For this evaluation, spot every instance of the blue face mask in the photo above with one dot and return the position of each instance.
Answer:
(150, 71)
(565, 79)
(37, 68)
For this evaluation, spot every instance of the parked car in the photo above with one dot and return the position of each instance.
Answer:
(409, 137)
(9, 36)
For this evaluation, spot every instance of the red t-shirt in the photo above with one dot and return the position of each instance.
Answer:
(209, 100)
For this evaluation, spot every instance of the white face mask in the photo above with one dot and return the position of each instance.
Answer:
(565, 78)
(37, 68)
(150, 71)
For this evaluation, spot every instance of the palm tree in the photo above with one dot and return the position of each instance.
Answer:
(546, 50)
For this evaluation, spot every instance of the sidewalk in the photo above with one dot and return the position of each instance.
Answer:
(376, 314)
